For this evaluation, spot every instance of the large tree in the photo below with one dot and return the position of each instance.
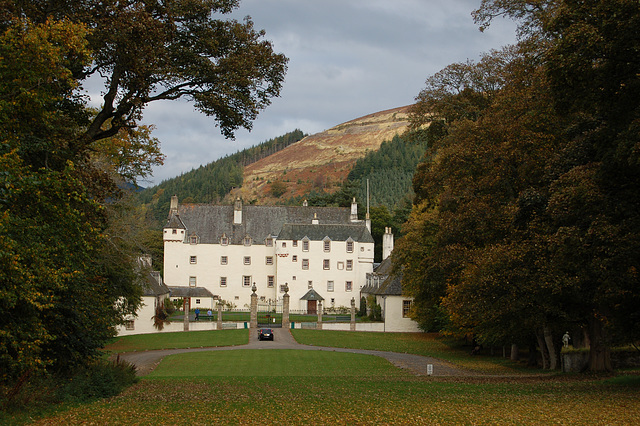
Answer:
(67, 259)
(527, 208)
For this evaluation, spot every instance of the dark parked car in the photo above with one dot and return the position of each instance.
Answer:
(265, 334)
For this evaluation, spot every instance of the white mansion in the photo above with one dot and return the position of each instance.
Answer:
(228, 249)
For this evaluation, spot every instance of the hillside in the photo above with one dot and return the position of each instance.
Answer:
(321, 161)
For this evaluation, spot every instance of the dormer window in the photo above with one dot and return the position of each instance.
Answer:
(327, 244)
(247, 241)
(224, 240)
(268, 242)
(193, 239)
(349, 245)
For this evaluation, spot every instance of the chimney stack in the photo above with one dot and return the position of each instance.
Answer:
(387, 243)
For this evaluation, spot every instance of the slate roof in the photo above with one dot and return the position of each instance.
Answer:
(211, 222)
(297, 231)
(312, 295)
(154, 286)
(190, 292)
(392, 286)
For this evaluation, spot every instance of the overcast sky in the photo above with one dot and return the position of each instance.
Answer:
(347, 58)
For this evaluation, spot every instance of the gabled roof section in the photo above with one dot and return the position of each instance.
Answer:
(384, 268)
(190, 292)
(175, 222)
(392, 286)
(153, 285)
(336, 232)
(312, 295)
(211, 222)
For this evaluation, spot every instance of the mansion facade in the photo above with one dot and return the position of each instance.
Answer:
(229, 249)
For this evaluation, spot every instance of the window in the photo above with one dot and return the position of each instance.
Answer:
(310, 284)
(349, 246)
(192, 281)
(362, 248)
(247, 260)
(174, 231)
(341, 265)
(295, 243)
(305, 245)
(349, 265)
(223, 281)
(294, 258)
(193, 260)
(305, 263)
(268, 242)
(406, 308)
(197, 301)
(327, 245)
(329, 285)
(271, 280)
(224, 240)
(269, 260)
(247, 241)
(193, 239)
(333, 301)
(293, 278)
(284, 244)
(129, 325)
(348, 286)
(224, 260)
(325, 264)
(246, 280)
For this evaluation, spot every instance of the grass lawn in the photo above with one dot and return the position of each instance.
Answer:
(303, 387)
(273, 363)
(179, 340)
(426, 344)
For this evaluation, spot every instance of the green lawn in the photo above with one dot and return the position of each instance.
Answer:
(426, 344)
(320, 387)
(179, 340)
(273, 363)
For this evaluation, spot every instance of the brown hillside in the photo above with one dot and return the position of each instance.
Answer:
(323, 160)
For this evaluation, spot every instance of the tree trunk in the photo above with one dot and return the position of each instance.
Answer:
(543, 350)
(599, 352)
(553, 355)
(533, 357)
(515, 354)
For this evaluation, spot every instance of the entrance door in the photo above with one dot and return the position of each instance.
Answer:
(312, 307)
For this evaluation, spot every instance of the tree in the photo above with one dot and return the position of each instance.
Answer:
(526, 211)
(148, 51)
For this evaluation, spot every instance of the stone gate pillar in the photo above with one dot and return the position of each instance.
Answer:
(219, 319)
(319, 323)
(253, 323)
(285, 307)
(186, 306)
(352, 325)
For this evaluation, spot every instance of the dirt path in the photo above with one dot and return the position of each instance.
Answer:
(146, 361)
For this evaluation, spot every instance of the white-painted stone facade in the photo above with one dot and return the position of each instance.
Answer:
(226, 249)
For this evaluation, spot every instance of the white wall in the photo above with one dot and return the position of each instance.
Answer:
(392, 314)
(208, 270)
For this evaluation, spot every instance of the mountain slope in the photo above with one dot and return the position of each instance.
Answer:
(322, 160)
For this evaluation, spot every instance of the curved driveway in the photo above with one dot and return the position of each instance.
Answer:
(146, 361)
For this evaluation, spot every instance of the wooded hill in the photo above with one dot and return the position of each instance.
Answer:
(212, 182)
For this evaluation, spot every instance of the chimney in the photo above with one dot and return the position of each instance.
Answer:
(354, 210)
(315, 220)
(174, 204)
(305, 203)
(237, 212)
(387, 243)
